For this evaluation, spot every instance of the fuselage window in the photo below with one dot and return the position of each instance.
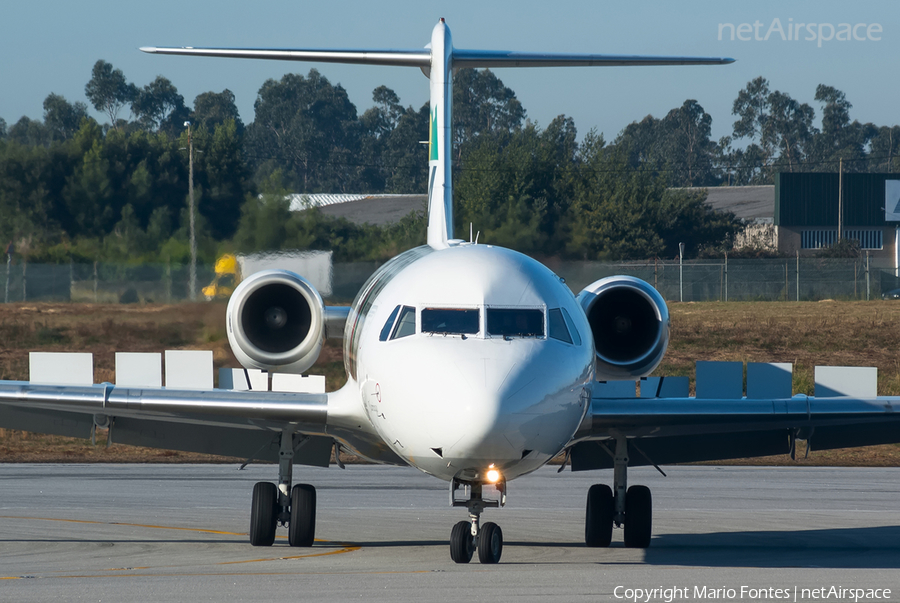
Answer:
(456, 321)
(386, 329)
(406, 324)
(557, 326)
(575, 336)
(515, 322)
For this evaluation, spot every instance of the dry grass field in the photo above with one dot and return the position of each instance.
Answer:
(805, 333)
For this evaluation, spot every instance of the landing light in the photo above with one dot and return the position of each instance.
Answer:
(492, 475)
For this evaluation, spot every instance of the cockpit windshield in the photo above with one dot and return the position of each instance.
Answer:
(515, 322)
(456, 321)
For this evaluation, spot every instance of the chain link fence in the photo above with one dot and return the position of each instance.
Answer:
(782, 279)
(803, 279)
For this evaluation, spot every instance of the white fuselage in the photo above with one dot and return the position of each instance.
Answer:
(453, 370)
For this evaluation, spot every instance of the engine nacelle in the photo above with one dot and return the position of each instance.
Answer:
(276, 322)
(630, 324)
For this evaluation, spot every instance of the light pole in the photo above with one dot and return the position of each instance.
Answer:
(193, 285)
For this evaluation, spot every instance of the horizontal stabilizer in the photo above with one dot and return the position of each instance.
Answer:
(422, 57)
(401, 58)
(504, 58)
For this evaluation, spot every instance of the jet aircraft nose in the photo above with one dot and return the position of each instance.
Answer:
(477, 407)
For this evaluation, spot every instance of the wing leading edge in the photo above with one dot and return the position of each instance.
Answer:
(241, 424)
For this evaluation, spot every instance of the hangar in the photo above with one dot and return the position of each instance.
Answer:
(810, 208)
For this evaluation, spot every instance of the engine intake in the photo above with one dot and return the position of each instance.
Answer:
(630, 324)
(276, 321)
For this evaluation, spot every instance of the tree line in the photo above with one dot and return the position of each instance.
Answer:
(72, 189)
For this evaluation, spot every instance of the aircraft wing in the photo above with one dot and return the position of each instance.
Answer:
(243, 424)
(680, 430)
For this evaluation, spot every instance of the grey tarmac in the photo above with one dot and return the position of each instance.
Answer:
(179, 533)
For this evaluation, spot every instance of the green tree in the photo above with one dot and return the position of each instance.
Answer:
(212, 109)
(89, 193)
(405, 157)
(381, 119)
(27, 180)
(884, 148)
(752, 109)
(63, 118)
(309, 129)
(622, 213)
(223, 173)
(264, 218)
(376, 126)
(790, 130)
(516, 187)
(779, 131)
(30, 132)
(159, 106)
(108, 91)
(686, 136)
(392, 157)
(483, 104)
(840, 138)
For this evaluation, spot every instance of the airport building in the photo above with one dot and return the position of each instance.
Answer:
(810, 207)
(799, 214)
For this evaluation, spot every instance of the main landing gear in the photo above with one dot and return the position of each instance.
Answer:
(469, 536)
(292, 507)
(631, 507)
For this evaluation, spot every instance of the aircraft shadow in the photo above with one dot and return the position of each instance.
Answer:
(872, 547)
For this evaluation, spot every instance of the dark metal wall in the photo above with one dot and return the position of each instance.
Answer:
(811, 199)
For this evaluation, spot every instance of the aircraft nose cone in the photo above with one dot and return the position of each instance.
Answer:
(484, 408)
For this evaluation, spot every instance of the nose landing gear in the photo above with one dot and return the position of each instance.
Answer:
(631, 507)
(468, 536)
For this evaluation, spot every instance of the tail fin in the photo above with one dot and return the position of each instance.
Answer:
(440, 139)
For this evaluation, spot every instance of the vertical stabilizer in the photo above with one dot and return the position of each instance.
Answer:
(440, 141)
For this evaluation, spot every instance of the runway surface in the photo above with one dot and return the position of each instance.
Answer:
(179, 532)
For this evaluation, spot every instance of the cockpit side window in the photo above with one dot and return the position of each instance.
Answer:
(576, 338)
(386, 329)
(515, 322)
(456, 321)
(557, 327)
(406, 324)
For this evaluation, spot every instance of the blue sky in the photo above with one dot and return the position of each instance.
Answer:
(48, 46)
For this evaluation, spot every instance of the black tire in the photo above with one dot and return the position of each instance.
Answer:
(490, 543)
(638, 517)
(302, 529)
(461, 544)
(598, 518)
(263, 514)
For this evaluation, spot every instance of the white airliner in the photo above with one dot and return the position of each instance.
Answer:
(473, 363)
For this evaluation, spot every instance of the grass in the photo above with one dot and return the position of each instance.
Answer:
(807, 334)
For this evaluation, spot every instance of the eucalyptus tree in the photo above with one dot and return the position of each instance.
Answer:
(214, 108)
(63, 118)
(108, 91)
(158, 106)
(309, 128)
(839, 137)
